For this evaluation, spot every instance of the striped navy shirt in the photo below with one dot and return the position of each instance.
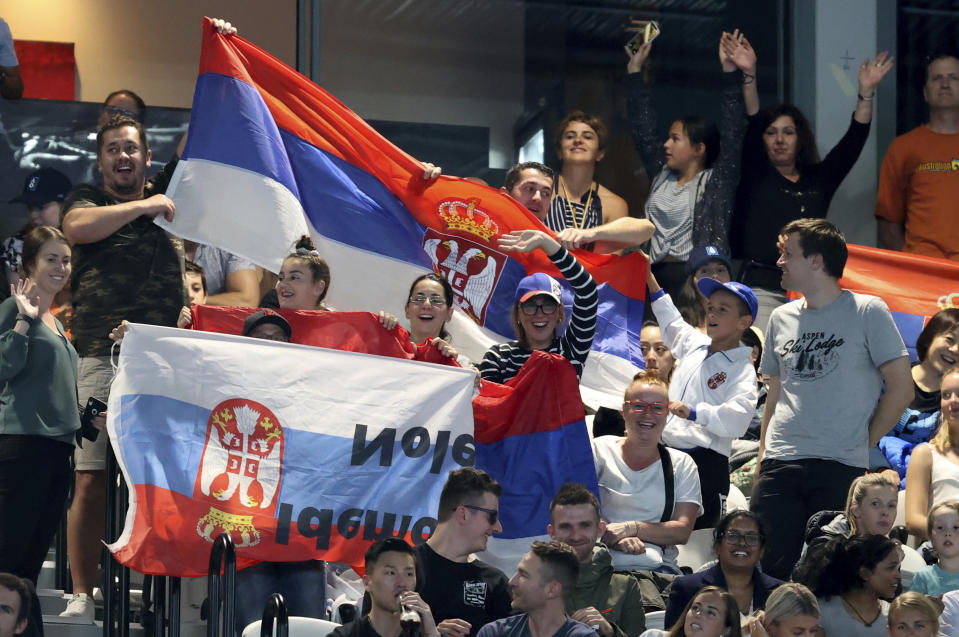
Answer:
(503, 361)
(559, 217)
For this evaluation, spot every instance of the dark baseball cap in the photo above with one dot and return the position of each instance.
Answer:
(704, 254)
(43, 186)
(707, 286)
(266, 316)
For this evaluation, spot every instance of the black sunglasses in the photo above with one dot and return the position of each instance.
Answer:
(492, 514)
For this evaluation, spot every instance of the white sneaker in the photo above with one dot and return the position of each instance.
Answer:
(80, 605)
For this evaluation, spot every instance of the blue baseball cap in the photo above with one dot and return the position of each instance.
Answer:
(539, 283)
(704, 254)
(707, 286)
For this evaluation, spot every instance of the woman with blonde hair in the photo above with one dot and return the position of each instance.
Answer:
(791, 610)
(914, 614)
(933, 474)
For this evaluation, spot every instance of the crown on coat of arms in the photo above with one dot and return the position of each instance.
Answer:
(947, 301)
(463, 216)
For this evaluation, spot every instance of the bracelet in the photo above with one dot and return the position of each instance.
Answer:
(23, 317)
(748, 79)
(866, 99)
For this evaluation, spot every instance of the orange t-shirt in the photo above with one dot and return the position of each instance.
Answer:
(919, 186)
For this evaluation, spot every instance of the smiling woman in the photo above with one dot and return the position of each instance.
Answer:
(710, 613)
(738, 540)
(852, 583)
(38, 377)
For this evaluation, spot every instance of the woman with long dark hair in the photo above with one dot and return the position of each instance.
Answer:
(853, 581)
(783, 178)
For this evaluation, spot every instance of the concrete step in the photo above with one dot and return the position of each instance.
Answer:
(56, 626)
(52, 601)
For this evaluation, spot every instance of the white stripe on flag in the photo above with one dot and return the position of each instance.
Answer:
(248, 214)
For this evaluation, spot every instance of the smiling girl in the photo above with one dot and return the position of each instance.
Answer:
(304, 279)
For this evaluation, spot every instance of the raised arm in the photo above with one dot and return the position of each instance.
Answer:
(737, 48)
(642, 115)
(870, 74)
(624, 232)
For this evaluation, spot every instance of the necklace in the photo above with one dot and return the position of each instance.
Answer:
(859, 616)
(569, 204)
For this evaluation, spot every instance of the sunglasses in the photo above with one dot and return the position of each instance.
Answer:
(641, 407)
(491, 514)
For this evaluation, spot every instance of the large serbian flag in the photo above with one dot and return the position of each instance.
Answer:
(304, 452)
(272, 156)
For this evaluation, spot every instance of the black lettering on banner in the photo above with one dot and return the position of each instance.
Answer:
(321, 530)
(382, 443)
(348, 523)
(388, 529)
(417, 534)
(464, 450)
(284, 517)
(416, 442)
(439, 451)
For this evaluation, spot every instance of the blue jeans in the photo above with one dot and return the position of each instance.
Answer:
(302, 584)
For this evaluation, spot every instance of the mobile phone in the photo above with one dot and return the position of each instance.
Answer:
(645, 31)
(93, 409)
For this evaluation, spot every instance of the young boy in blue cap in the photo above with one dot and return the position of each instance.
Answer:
(712, 393)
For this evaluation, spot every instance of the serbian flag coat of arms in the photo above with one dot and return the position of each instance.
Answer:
(271, 156)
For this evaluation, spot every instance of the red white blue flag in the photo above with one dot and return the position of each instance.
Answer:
(271, 156)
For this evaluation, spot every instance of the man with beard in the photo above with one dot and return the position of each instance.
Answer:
(125, 267)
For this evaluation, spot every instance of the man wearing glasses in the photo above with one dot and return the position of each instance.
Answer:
(463, 594)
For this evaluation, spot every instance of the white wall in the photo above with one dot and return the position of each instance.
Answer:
(150, 47)
(846, 28)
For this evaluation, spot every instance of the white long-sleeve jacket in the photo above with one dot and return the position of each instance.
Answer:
(720, 387)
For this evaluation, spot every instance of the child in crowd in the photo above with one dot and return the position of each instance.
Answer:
(195, 283)
(712, 395)
(943, 577)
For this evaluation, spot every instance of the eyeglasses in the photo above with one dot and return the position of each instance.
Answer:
(548, 307)
(641, 407)
(435, 300)
(735, 537)
(491, 514)
(113, 111)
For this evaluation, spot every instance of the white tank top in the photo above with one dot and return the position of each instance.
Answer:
(945, 478)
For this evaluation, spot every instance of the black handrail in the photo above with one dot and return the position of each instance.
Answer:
(275, 612)
(222, 556)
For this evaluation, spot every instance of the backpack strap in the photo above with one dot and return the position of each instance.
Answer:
(669, 480)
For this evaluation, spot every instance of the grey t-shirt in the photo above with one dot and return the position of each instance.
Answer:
(827, 360)
(217, 265)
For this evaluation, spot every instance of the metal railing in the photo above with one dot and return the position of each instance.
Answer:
(275, 612)
(221, 588)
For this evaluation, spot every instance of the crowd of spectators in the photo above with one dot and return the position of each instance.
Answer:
(836, 398)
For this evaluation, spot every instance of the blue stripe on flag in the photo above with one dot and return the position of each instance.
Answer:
(316, 467)
(524, 510)
(244, 135)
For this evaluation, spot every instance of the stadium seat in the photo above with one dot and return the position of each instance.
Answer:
(299, 627)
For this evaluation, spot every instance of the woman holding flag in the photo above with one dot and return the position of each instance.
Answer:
(538, 311)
